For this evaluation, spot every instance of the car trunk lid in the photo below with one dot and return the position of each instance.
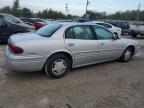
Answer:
(24, 37)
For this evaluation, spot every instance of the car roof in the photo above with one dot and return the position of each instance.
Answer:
(96, 21)
(102, 22)
(70, 24)
(74, 23)
(99, 22)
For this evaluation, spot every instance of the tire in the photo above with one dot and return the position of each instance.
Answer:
(127, 55)
(17, 32)
(57, 66)
(134, 35)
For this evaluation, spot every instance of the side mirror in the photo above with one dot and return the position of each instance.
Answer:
(116, 36)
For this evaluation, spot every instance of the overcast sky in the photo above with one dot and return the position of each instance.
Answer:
(77, 7)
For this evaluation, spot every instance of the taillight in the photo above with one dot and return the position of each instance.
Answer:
(38, 25)
(15, 49)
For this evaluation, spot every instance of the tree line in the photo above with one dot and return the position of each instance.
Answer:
(25, 12)
(129, 15)
(15, 10)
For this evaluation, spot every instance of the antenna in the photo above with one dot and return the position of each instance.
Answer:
(138, 12)
(87, 6)
(67, 9)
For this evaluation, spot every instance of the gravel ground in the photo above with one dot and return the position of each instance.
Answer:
(107, 85)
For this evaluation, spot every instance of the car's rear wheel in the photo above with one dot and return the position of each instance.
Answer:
(57, 66)
(127, 55)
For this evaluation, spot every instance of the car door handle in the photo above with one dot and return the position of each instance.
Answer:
(70, 44)
(101, 44)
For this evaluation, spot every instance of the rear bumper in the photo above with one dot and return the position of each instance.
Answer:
(23, 64)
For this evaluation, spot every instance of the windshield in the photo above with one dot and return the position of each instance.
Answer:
(11, 19)
(48, 30)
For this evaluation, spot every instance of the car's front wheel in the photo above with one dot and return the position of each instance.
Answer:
(127, 55)
(57, 66)
(134, 35)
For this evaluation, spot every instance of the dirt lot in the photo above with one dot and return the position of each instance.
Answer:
(106, 85)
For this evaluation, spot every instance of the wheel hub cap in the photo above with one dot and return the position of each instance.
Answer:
(59, 67)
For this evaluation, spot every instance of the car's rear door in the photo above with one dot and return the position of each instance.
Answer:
(109, 48)
(81, 43)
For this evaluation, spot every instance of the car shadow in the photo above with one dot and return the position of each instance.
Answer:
(130, 37)
(41, 75)
(94, 65)
(13, 75)
(139, 38)
(2, 43)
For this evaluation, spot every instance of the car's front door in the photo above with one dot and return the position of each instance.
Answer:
(109, 47)
(80, 41)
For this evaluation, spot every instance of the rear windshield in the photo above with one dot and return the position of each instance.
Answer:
(48, 30)
(38, 20)
(123, 25)
(27, 20)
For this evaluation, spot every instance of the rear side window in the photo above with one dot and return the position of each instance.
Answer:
(48, 30)
(79, 32)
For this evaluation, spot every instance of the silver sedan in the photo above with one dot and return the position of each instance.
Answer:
(58, 47)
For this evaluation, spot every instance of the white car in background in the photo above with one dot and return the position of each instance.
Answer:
(137, 29)
(110, 27)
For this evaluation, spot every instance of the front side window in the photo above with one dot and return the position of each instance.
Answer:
(79, 32)
(48, 30)
(102, 33)
(105, 25)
